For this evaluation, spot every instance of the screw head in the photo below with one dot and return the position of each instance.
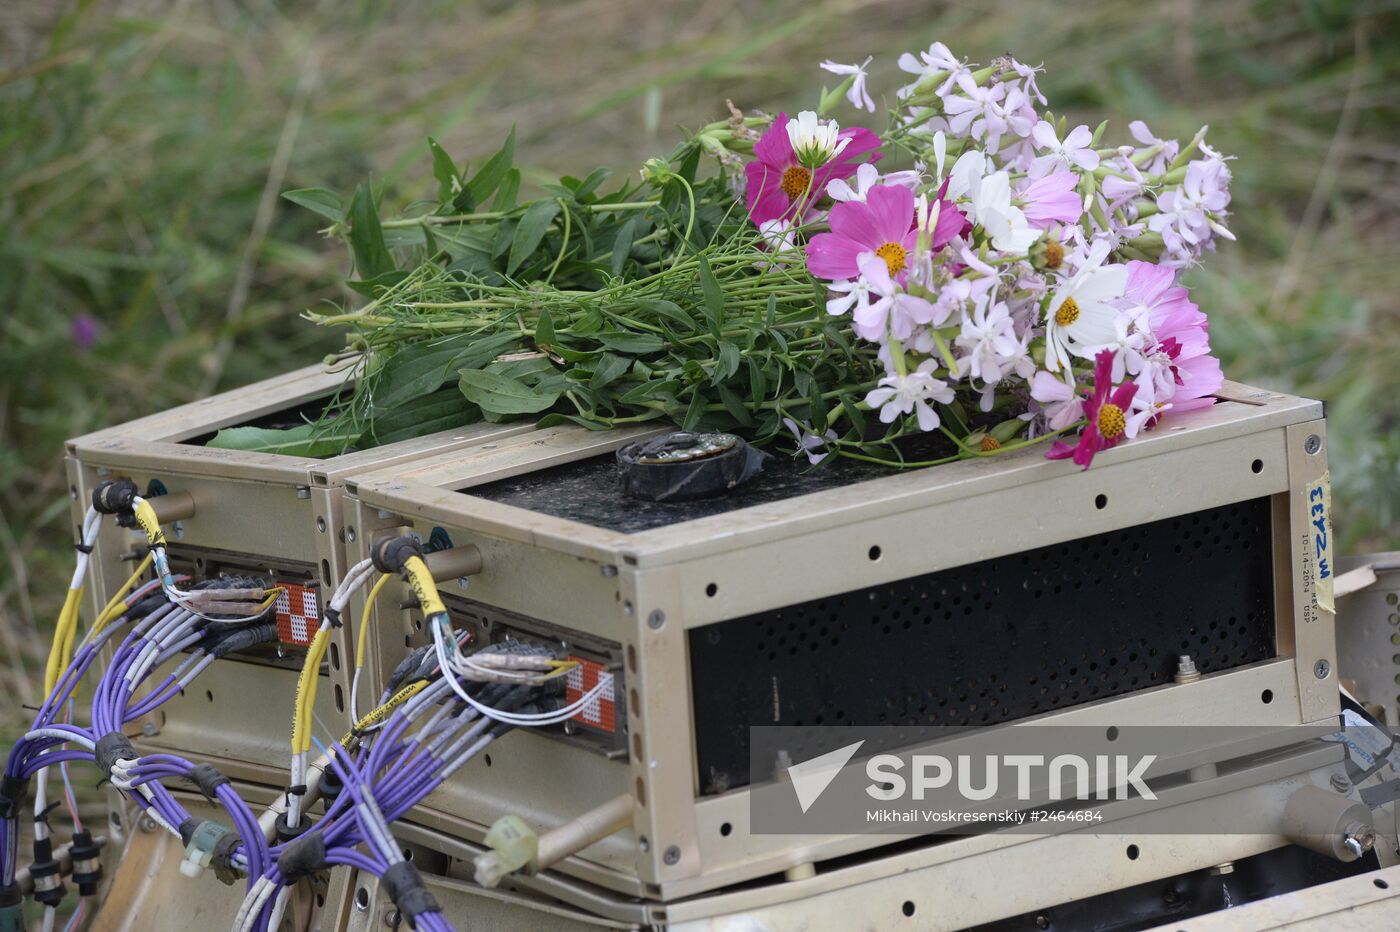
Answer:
(1312, 444)
(1321, 669)
(656, 619)
(1340, 783)
(464, 582)
(303, 491)
(672, 855)
(321, 525)
(608, 570)
(147, 824)
(179, 530)
(350, 534)
(149, 729)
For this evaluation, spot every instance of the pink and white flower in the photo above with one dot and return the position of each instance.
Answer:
(856, 94)
(1073, 152)
(780, 187)
(911, 393)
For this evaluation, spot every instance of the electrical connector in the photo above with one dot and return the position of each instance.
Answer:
(46, 874)
(201, 845)
(514, 846)
(87, 863)
(390, 554)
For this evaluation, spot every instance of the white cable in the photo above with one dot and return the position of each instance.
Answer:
(279, 906)
(514, 718)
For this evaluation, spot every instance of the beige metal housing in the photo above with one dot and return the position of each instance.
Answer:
(634, 597)
(253, 511)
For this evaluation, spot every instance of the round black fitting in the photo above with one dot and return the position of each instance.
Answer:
(285, 832)
(87, 863)
(114, 496)
(48, 883)
(391, 553)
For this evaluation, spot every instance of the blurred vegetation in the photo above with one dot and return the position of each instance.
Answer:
(146, 260)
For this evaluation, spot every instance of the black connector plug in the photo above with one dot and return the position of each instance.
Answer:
(114, 497)
(48, 881)
(87, 863)
(391, 553)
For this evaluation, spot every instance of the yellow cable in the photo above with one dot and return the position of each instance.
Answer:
(376, 715)
(420, 580)
(146, 517)
(110, 612)
(60, 637)
(361, 639)
(306, 690)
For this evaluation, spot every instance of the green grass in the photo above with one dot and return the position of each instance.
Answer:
(142, 145)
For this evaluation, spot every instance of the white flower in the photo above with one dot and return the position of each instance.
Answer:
(966, 176)
(1185, 213)
(979, 114)
(867, 177)
(816, 447)
(909, 394)
(1062, 403)
(856, 94)
(780, 240)
(1167, 149)
(1127, 345)
(1005, 223)
(813, 142)
(853, 292)
(1073, 152)
(988, 336)
(1079, 316)
(938, 58)
(894, 309)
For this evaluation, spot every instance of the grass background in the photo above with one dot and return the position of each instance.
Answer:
(143, 145)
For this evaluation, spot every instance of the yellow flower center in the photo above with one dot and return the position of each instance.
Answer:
(795, 182)
(1068, 312)
(990, 443)
(894, 256)
(1111, 421)
(1054, 255)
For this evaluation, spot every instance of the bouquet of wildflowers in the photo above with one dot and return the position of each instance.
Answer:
(1013, 282)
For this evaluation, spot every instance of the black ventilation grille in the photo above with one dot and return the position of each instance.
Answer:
(994, 641)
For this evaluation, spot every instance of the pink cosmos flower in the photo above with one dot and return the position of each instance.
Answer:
(1052, 199)
(1107, 411)
(1181, 362)
(883, 225)
(777, 181)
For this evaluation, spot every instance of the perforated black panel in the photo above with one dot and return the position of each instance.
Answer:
(993, 641)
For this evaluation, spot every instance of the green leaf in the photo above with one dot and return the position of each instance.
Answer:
(625, 341)
(490, 175)
(758, 382)
(544, 329)
(694, 412)
(509, 191)
(529, 234)
(498, 394)
(590, 184)
(670, 310)
(728, 362)
(622, 246)
(441, 410)
(421, 368)
(646, 391)
(735, 407)
(326, 203)
(372, 257)
(714, 296)
(608, 369)
(313, 440)
(445, 171)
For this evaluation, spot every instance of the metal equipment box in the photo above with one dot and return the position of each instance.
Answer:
(234, 511)
(854, 594)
